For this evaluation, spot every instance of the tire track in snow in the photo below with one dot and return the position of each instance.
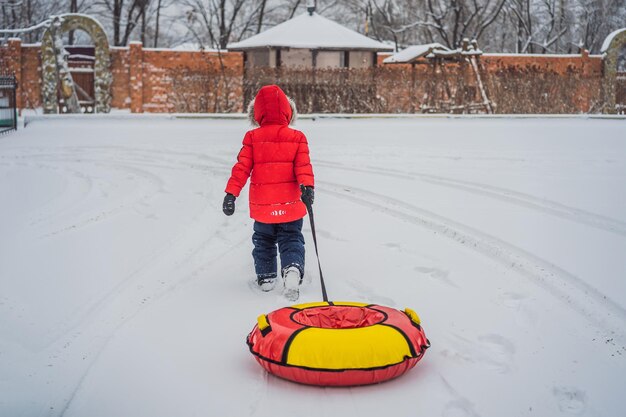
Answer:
(74, 179)
(147, 157)
(598, 308)
(105, 161)
(158, 186)
(189, 276)
(569, 288)
(142, 157)
(99, 312)
(504, 194)
(156, 254)
(45, 161)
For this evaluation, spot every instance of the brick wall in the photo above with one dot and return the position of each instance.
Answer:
(191, 81)
(555, 84)
(156, 80)
(145, 80)
(515, 83)
(25, 62)
(120, 85)
(151, 80)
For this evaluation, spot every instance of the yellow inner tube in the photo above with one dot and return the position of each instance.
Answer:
(371, 346)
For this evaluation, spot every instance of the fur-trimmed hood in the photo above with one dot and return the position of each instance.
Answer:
(272, 106)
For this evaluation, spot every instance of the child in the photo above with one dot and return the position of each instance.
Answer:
(276, 158)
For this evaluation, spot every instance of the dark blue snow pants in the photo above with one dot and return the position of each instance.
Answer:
(290, 242)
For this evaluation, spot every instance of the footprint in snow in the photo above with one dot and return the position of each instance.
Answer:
(392, 245)
(329, 236)
(570, 399)
(440, 275)
(499, 348)
(367, 293)
(524, 316)
(512, 300)
(491, 351)
(458, 408)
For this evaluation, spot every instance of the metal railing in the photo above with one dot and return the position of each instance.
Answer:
(8, 103)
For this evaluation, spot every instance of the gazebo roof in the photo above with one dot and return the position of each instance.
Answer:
(310, 32)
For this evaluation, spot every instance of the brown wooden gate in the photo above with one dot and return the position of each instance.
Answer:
(81, 61)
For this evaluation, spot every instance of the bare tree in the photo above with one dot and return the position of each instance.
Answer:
(158, 18)
(596, 19)
(124, 17)
(217, 22)
(18, 14)
(524, 26)
(450, 21)
(293, 6)
(73, 9)
(261, 15)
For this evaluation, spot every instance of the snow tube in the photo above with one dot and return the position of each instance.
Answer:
(338, 343)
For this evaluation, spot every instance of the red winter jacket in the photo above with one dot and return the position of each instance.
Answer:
(276, 158)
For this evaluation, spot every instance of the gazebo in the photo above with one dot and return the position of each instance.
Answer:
(309, 41)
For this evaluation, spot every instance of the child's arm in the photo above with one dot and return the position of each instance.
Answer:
(302, 164)
(241, 170)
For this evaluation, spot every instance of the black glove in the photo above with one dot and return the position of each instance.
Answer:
(308, 195)
(229, 204)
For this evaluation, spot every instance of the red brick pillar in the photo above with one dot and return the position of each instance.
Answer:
(14, 65)
(585, 91)
(136, 77)
(585, 53)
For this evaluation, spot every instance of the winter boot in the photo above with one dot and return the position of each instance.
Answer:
(267, 282)
(292, 279)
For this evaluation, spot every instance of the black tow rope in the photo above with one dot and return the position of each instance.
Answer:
(310, 210)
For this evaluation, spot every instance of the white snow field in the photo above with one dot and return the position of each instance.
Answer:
(125, 291)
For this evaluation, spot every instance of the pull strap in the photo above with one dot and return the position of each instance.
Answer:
(310, 210)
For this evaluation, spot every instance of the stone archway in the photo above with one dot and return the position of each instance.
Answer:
(102, 71)
(611, 49)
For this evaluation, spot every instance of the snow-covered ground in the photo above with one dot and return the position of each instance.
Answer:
(124, 290)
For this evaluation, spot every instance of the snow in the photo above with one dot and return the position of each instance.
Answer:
(310, 31)
(430, 50)
(188, 46)
(413, 52)
(538, 55)
(81, 70)
(609, 39)
(43, 24)
(82, 57)
(124, 290)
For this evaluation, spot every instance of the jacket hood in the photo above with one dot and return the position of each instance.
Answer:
(271, 107)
